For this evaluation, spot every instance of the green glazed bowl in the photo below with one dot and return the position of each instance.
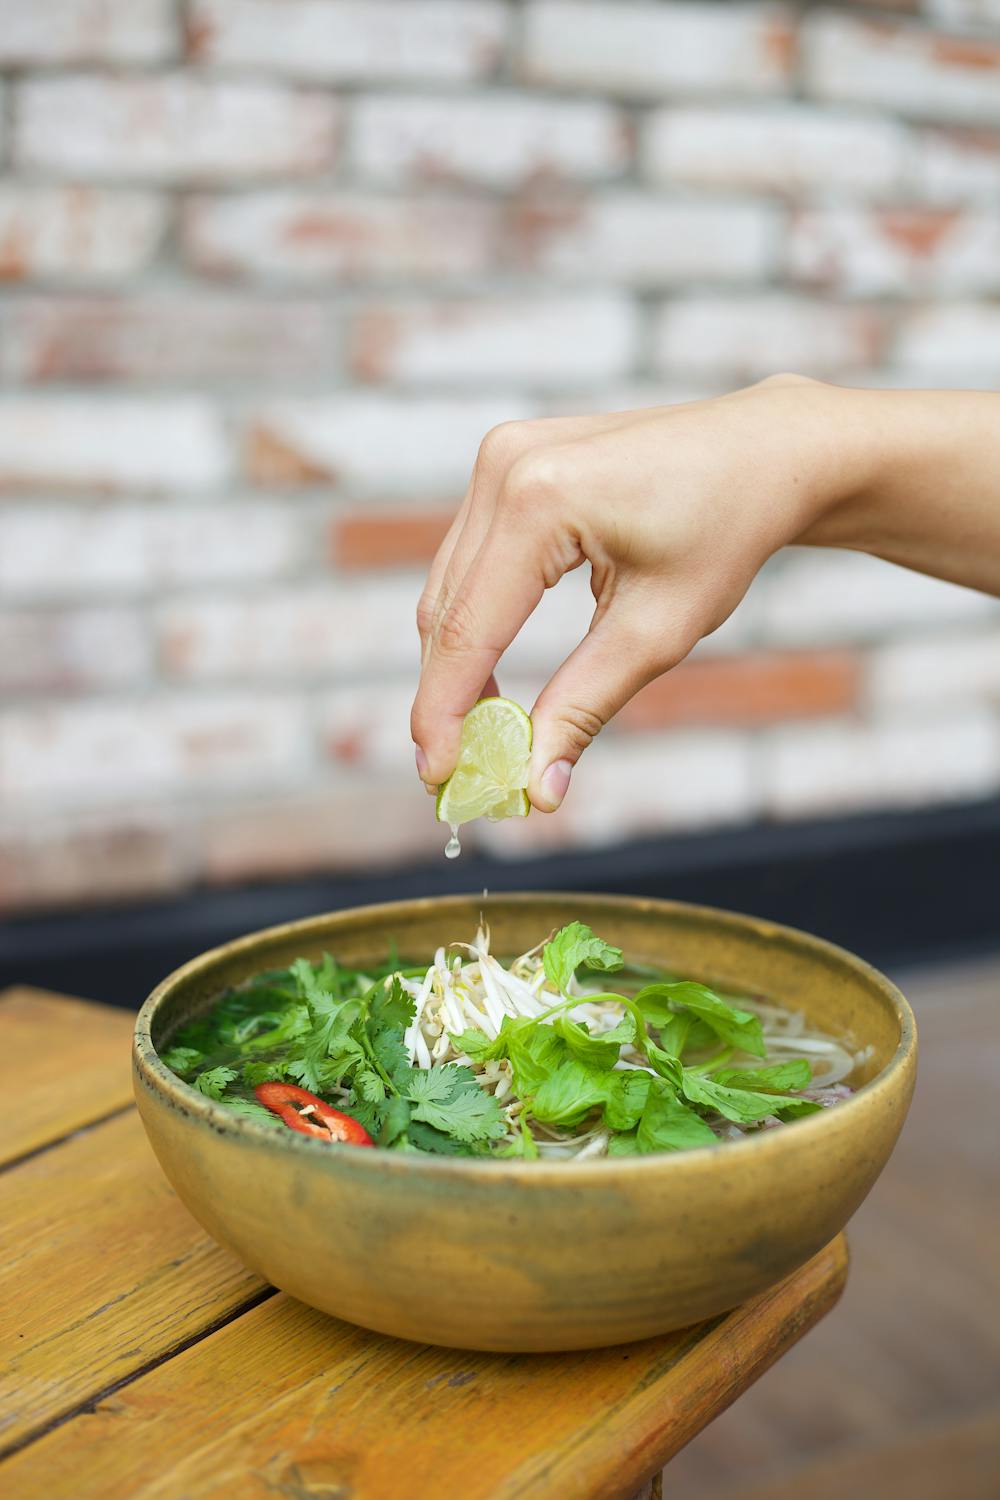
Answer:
(512, 1255)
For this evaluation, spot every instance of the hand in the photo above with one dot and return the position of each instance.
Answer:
(675, 509)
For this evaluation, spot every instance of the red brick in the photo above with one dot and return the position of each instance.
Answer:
(175, 337)
(747, 690)
(353, 39)
(86, 31)
(388, 539)
(78, 234)
(171, 127)
(350, 236)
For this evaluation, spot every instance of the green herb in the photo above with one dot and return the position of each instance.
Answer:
(745, 1106)
(575, 945)
(450, 1099)
(781, 1078)
(182, 1059)
(659, 1003)
(213, 1081)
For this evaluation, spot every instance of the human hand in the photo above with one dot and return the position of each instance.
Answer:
(676, 509)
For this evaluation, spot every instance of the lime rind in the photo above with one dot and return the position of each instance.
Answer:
(490, 777)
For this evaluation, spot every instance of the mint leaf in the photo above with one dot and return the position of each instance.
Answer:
(575, 945)
(740, 1028)
(783, 1077)
(744, 1106)
(668, 1125)
(214, 1082)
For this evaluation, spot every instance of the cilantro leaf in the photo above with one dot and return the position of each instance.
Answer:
(263, 1072)
(783, 1077)
(391, 1008)
(744, 1106)
(395, 1120)
(425, 1138)
(572, 946)
(450, 1099)
(253, 1111)
(369, 1085)
(214, 1081)
(182, 1059)
(740, 1028)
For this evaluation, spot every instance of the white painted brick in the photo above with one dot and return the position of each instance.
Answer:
(309, 630)
(642, 49)
(872, 252)
(896, 66)
(85, 856)
(107, 751)
(821, 598)
(390, 444)
(638, 788)
(351, 236)
(932, 670)
(172, 127)
(80, 233)
(781, 147)
(951, 343)
(972, 13)
(51, 551)
(353, 40)
(956, 166)
(762, 335)
(563, 341)
(83, 31)
(73, 650)
(326, 828)
(173, 337)
(499, 139)
(628, 236)
(849, 767)
(85, 443)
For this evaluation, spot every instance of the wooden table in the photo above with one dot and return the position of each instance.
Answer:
(141, 1362)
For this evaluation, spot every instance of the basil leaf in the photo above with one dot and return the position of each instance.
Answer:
(600, 1051)
(668, 1125)
(781, 1078)
(740, 1028)
(575, 945)
(625, 1098)
(744, 1106)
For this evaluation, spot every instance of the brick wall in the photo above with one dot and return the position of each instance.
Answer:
(271, 267)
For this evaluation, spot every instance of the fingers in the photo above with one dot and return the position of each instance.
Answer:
(499, 592)
(622, 653)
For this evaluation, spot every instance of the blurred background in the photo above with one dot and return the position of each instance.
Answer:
(270, 269)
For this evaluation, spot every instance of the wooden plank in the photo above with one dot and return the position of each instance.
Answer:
(103, 1270)
(71, 1062)
(285, 1401)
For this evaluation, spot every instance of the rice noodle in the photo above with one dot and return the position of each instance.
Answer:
(473, 990)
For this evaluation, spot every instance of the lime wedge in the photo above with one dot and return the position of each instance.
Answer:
(492, 769)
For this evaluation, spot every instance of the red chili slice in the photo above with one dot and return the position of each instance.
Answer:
(289, 1102)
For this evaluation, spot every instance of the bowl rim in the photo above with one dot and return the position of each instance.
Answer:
(149, 1067)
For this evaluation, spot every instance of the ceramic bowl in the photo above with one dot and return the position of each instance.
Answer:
(518, 1256)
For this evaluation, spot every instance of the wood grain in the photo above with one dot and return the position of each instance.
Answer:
(103, 1270)
(287, 1402)
(70, 1062)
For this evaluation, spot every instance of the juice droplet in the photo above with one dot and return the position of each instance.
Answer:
(453, 847)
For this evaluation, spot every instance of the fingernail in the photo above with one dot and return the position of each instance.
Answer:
(422, 766)
(555, 782)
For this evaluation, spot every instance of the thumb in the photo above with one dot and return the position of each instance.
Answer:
(608, 668)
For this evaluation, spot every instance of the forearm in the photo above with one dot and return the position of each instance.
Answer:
(920, 482)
